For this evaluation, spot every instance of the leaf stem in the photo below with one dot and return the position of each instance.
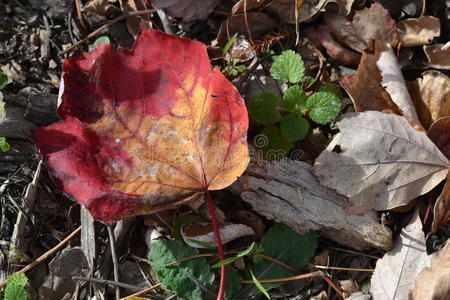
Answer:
(212, 212)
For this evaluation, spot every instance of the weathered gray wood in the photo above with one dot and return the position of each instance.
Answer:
(285, 191)
(15, 125)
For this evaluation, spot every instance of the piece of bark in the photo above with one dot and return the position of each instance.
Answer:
(41, 108)
(286, 191)
(15, 125)
(88, 242)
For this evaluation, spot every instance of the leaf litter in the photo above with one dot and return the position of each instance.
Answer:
(332, 38)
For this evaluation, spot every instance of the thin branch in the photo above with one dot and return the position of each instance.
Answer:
(110, 282)
(144, 291)
(45, 255)
(112, 244)
(104, 27)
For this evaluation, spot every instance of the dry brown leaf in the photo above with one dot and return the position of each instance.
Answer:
(410, 7)
(369, 24)
(188, 10)
(418, 31)
(285, 9)
(101, 8)
(438, 55)
(336, 50)
(378, 85)
(439, 133)
(393, 82)
(434, 283)
(442, 208)
(395, 273)
(259, 24)
(431, 96)
(134, 22)
(379, 161)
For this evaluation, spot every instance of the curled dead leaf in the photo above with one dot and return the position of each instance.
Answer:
(198, 234)
(188, 10)
(431, 96)
(438, 55)
(379, 161)
(441, 209)
(433, 283)
(395, 273)
(418, 31)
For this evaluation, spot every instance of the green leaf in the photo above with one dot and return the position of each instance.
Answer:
(101, 40)
(331, 88)
(232, 284)
(295, 99)
(288, 66)
(250, 250)
(240, 68)
(276, 145)
(229, 44)
(4, 146)
(189, 278)
(3, 80)
(324, 107)
(307, 80)
(294, 127)
(288, 246)
(259, 286)
(15, 289)
(263, 109)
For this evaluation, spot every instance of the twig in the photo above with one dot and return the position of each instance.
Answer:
(143, 291)
(296, 277)
(189, 258)
(293, 270)
(343, 269)
(112, 244)
(104, 27)
(110, 282)
(80, 15)
(45, 255)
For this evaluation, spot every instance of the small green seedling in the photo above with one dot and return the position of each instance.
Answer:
(285, 118)
(233, 67)
(16, 288)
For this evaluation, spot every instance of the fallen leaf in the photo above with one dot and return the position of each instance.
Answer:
(378, 84)
(393, 82)
(431, 96)
(433, 283)
(101, 8)
(146, 129)
(441, 209)
(285, 9)
(336, 50)
(374, 23)
(439, 133)
(438, 55)
(418, 31)
(379, 161)
(395, 273)
(188, 10)
(197, 234)
(259, 24)
(365, 89)
(410, 7)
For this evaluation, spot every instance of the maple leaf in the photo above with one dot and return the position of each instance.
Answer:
(146, 129)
